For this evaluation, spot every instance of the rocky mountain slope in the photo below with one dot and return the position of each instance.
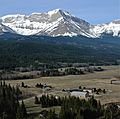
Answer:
(55, 23)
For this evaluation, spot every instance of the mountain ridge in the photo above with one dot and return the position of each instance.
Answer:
(56, 23)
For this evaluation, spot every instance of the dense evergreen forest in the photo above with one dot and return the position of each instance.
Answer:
(10, 108)
(75, 108)
(21, 51)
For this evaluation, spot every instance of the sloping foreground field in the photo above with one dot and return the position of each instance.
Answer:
(94, 80)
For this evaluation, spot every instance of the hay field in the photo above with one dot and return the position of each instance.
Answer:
(91, 80)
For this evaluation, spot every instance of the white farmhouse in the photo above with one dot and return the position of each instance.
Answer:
(80, 94)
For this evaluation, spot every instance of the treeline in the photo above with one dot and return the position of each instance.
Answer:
(16, 76)
(75, 108)
(48, 101)
(10, 108)
(12, 75)
(40, 85)
(69, 71)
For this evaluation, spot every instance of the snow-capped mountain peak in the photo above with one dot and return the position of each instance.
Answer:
(59, 11)
(54, 12)
(112, 28)
(56, 23)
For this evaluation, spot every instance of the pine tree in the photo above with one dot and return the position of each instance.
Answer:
(4, 116)
(22, 84)
(79, 116)
(36, 100)
(23, 110)
(51, 115)
(18, 113)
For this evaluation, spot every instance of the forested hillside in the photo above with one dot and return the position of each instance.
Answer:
(17, 51)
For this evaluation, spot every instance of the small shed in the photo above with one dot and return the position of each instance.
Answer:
(80, 94)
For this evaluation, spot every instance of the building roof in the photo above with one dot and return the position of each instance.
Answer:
(79, 93)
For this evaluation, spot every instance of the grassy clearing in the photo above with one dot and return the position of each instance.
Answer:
(92, 80)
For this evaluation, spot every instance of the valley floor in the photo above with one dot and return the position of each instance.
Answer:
(93, 80)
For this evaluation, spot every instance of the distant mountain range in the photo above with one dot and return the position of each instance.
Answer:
(55, 23)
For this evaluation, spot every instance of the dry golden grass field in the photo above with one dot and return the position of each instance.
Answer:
(91, 80)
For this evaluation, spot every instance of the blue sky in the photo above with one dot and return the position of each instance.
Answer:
(93, 11)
